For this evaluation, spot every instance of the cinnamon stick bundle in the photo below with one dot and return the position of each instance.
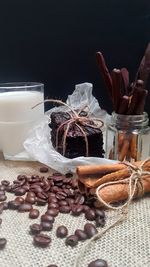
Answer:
(91, 177)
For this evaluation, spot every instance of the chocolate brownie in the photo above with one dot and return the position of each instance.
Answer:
(75, 139)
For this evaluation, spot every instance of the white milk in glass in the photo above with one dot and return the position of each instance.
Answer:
(17, 118)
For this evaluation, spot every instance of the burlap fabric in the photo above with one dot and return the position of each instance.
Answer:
(125, 245)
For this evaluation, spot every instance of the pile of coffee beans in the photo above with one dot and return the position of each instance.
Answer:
(61, 195)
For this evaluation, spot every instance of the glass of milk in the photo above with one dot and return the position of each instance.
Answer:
(17, 115)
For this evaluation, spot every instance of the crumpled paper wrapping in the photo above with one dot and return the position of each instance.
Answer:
(39, 146)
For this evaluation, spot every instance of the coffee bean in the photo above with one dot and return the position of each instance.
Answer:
(43, 169)
(57, 174)
(63, 203)
(70, 201)
(52, 200)
(30, 194)
(100, 222)
(36, 189)
(53, 206)
(77, 210)
(61, 231)
(85, 208)
(42, 240)
(42, 195)
(2, 192)
(0, 221)
(99, 213)
(2, 187)
(90, 229)
(72, 240)
(25, 207)
(5, 182)
(90, 215)
(3, 242)
(47, 218)
(68, 175)
(79, 200)
(64, 209)
(34, 213)
(52, 212)
(3, 197)
(30, 199)
(35, 228)
(98, 263)
(20, 200)
(57, 179)
(51, 195)
(8, 188)
(55, 189)
(74, 183)
(5, 205)
(81, 235)
(13, 205)
(47, 226)
(40, 201)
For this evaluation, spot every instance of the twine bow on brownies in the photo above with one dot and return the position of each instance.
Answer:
(75, 119)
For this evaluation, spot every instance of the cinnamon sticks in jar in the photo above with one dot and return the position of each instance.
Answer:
(128, 101)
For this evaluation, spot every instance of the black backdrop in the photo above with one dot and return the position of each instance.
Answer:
(54, 41)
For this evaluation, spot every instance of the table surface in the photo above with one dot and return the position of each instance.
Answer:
(125, 245)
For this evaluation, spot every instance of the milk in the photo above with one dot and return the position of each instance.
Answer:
(17, 118)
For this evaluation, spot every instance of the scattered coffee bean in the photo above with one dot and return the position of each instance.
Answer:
(42, 240)
(90, 215)
(40, 201)
(85, 208)
(3, 197)
(20, 200)
(53, 206)
(25, 207)
(3, 242)
(47, 218)
(5, 205)
(81, 235)
(72, 240)
(65, 209)
(77, 210)
(13, 205)
(99, 213)
(52, 199)
(2, 187)
(35, 228)
(100, 222)
(34, 213)
(98, 263)
(62, 231)
(52, 265)
(63, 203)
(30, 199)
(79, 200)
(5, 182)
(90, 229)
(2, 192)
(52, 212)
(46, 226)
(68, 175)
(20, 191)
(43, 169)
(70, 201)
(30, 194)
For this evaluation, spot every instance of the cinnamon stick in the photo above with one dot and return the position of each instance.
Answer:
(116, 88)
(123, 105)
(125, 78)
(120, 192)
(104, 72)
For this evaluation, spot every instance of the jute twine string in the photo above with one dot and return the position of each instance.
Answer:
(74, 119)
(134, 181)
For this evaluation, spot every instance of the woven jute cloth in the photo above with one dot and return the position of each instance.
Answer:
(125, 245)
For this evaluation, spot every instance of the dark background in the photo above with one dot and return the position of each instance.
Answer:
(54, 41)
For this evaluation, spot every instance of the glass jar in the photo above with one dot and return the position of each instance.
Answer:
(128, 137)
